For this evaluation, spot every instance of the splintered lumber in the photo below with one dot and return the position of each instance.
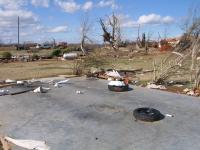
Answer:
(6, 84)
(132, 70)
(147, 71)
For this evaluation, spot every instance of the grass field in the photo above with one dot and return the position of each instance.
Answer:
(37, 69)
(29, 70)
(54, 67)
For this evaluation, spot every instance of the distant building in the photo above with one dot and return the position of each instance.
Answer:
(168, 44)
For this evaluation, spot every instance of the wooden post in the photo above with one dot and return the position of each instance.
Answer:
(18, 33)
(154, 70)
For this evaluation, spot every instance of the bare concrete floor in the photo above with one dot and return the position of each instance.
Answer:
(100, 119)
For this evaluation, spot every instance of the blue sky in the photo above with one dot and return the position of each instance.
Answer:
(44, 20)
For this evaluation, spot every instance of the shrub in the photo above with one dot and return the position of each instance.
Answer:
(56, 53)
(78, 67)
(6, 55)
(69, 49)
(95, 59)
(35, 57)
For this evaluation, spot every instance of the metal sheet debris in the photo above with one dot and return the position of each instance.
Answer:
(41, 89)
(29, 144)
(4, 92)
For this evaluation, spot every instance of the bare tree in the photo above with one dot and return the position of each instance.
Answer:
(113, 37)
(85, 28)
(188, 47)
(191, 23)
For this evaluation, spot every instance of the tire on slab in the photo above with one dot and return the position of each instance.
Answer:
(147, 114)
(118, 88)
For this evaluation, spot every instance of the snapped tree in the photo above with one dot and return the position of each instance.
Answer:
(112, 36)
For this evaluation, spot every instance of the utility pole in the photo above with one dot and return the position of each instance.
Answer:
(18, 34)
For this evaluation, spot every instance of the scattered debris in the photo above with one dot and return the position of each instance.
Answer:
(20, 82)
(4, 145)
(113, 73)
(10, 81)
(2, 81)
(63, 81)
(110, 79)
(57, 85)
(79, 92)
(191, 92)
(131, 70)
(4, 92)
(19, 89)
(41, 90)
(60, 83)
(186, 90)
(168, 115)
(178, 85)
(29, 144)
(154, 86)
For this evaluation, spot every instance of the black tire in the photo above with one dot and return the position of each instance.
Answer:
(118, 88)
(147, 114)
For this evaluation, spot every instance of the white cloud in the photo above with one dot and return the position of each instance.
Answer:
(12, 4)
(69, 6)
(9, 12)
(58, 29)
(108, 3)
(8, 18)
(40, 3)
(88, 5)
(154, 19)
(126, 21)
(168, 19)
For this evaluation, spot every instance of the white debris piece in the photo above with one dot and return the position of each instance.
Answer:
(178, 85)
(63, 81)
(113, 74)
(10, 81)
(168, 115)
(79, 92)
(29, 144)
(41, 90)
(186, 90)
(154, 86)
(4, 92)
(110, 79)
(116, 83)
(20, 82)
(59, 84)
(50, 81)
(191, 93)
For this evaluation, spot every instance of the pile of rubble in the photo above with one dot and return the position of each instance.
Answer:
(13, 87)
(192, 92)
